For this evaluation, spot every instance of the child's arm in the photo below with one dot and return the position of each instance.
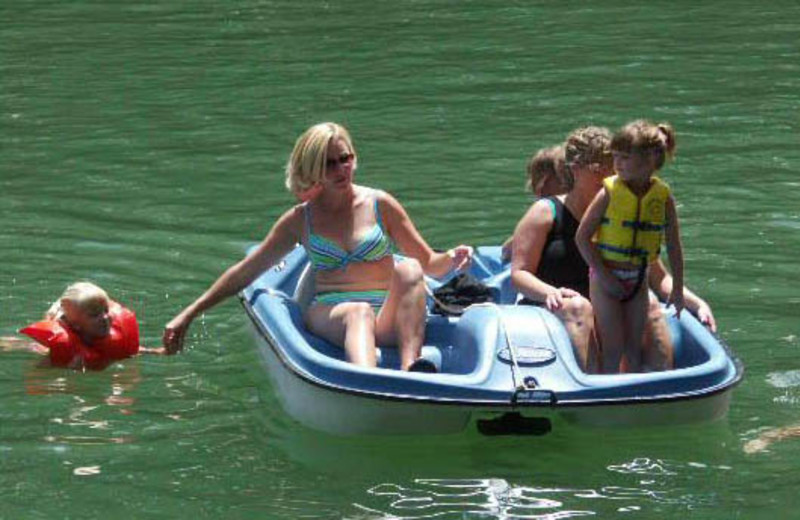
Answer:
(152, 350)
(675, 255)
(14, 343)
(583, 239)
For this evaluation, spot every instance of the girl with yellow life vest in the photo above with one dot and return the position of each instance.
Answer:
(621, 235)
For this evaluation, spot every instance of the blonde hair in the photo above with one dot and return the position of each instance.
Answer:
(548, 162)
(588, 145)
(82, 294)
(307, 164)
(642, 136)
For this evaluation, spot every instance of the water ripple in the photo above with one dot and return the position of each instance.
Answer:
(497, 498)
(788, 379)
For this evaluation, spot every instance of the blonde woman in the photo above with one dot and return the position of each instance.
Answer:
(363, 296)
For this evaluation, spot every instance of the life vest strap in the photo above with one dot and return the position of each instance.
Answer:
(642, 226)
(633, 252)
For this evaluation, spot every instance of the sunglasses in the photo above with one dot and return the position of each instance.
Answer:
(343, 159)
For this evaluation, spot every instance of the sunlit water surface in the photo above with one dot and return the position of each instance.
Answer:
(143, 145)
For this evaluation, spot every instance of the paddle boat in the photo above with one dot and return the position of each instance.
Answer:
(502, 368)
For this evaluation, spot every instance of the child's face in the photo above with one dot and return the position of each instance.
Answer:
(91, 319)
(634, 166)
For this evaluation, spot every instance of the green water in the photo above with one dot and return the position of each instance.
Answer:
(142, 146)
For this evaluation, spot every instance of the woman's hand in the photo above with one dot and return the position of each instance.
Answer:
(175, 331)
(705, 315)
(461, 256)
(555, 298)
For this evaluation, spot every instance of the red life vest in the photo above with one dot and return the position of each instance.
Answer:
(65, 345)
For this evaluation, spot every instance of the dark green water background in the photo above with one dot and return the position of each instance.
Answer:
(142, 146)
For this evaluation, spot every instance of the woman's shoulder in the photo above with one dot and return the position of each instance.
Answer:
(383, 199)
(543, 211)
(296, 213)
(376, 194)
(292, 221)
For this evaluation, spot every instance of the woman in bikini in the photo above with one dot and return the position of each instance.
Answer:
(363, 296)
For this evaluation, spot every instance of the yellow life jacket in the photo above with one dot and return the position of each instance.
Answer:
(632, 227)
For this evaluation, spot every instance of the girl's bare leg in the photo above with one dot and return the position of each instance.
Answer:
(608, 312)
(635, 317)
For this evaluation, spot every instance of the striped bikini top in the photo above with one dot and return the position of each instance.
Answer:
(326, 255)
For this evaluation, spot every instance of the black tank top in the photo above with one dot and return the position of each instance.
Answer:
(561, 264)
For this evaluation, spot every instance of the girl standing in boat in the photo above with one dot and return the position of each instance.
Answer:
(620, 236)
(363, 296)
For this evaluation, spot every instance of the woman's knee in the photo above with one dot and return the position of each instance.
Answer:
(578, 309)
(409, 273)
(359, 313)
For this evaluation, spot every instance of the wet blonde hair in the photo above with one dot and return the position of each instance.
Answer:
(84, 295)
(548, 162)
(306, 165)
(642, 136)
(588, 145)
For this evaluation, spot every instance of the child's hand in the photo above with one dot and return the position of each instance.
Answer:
(676, 299)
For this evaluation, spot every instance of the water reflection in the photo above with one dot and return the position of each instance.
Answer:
(499, 498)
(431, 498)
(96, 402)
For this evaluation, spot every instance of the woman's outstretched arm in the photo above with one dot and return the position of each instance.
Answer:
(281, 238)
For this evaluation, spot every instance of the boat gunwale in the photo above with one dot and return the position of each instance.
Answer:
(512, 403)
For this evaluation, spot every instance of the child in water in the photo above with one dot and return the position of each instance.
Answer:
(620, 236)
(85, 329)
(548, 176)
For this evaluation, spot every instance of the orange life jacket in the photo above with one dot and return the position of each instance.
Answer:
(67, 348)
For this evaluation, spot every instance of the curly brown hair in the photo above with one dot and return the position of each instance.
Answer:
(589, 145)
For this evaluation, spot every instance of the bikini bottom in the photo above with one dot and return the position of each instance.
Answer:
(374, 298)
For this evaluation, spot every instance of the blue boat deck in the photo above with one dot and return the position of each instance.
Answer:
(472, 354)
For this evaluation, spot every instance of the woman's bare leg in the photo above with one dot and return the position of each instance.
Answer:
(578, 319)
(401, 320)
(351, 325)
